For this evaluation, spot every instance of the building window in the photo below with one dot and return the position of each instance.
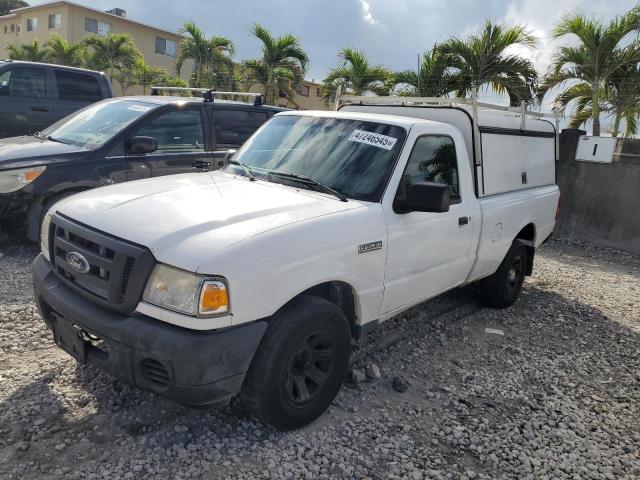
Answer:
(12, 28)
(318, 92)
(55, 20)
(303, 90)
(97, 27)
(32, 24)
(165, 47)
(18, 28)
(6, 29)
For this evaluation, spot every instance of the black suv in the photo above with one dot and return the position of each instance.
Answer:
(116, 140)
(34, 95)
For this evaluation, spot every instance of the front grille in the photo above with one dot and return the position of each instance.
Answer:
(155, 373)
(115, 271)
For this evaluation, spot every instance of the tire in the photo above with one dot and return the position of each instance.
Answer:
(300, 364)
(502, 289)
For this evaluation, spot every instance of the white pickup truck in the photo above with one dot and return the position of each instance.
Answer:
(259, 278)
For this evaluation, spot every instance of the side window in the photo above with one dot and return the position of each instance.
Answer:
(433, 159)
(26, 82)
(76, 86)
(177, 131)
(234, 127)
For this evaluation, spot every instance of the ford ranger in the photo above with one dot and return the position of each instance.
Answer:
(259, 278)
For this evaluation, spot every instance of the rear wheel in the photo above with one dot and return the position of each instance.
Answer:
(502, 289)
(300, 364)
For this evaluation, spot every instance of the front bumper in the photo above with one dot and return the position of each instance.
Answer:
(193, 368)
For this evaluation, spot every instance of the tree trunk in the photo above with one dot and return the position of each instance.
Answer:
(595, 112)
(616, 125)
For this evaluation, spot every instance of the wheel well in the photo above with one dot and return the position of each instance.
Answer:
(36, 211)
(528, 237)
(340, 294)
(528, 234)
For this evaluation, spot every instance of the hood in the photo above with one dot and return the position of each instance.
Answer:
(186, 219)
(18, 152)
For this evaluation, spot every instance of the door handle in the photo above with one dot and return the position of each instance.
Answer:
(39, 109)
(463, 221)
(201, 164)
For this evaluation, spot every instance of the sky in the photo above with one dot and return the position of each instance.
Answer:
(392, 33)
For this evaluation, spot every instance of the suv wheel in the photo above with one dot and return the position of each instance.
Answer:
(502, 289)
(300, 364)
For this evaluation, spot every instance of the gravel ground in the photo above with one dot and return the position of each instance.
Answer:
(550, 390)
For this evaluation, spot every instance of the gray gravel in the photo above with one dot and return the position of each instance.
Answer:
(556, 395)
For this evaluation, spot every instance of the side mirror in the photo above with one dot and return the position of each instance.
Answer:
(425, 197)
(229, 154)
(141, 145)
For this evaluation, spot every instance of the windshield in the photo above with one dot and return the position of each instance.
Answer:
(353, 157)
(96, 124)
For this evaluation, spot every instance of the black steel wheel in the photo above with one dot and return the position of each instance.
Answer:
(502, 289)
(300, 364)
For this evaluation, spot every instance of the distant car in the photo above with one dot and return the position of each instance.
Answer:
(117, 140)
(35, 95)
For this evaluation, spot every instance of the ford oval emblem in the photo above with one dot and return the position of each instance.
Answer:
(78, 262)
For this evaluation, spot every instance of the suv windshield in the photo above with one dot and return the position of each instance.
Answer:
(353, 157)
(96, 124)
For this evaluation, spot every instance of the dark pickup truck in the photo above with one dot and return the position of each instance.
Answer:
(116, 140)
(35, 95)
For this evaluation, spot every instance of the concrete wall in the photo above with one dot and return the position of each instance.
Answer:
(600, 203)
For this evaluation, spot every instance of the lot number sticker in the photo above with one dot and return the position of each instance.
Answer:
(375, 139)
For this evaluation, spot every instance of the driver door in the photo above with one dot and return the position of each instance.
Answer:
(180, 134)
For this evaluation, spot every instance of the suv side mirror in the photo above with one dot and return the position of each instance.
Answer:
(425, 197)
(140, 145)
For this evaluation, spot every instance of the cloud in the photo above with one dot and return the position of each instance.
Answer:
(367, 16)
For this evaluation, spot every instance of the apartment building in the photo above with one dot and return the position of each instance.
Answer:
(75, 22)
(309, 96)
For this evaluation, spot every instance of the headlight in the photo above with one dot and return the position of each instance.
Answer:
(186, 293)
(44, 235)
(13, 180)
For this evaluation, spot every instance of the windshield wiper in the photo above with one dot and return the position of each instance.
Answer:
(52, 139)
(310, 181)
(247, 170)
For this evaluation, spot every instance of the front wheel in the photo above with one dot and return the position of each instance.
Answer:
(502, 289)
(300, 364)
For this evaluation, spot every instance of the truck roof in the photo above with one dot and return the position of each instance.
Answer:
(400, 121)
(44, 64)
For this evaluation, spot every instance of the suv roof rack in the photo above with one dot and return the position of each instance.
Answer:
(208, 94)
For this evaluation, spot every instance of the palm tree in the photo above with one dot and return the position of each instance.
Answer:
(114, 51)
(594, 61)
(433, 79)
(211, 56)
(7, 5)
(30, 51)
(281, 68)
(480, 60)
(356, 75)
(61, 52)
(623, 99)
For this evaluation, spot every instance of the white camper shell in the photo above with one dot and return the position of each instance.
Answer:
(510, 149)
